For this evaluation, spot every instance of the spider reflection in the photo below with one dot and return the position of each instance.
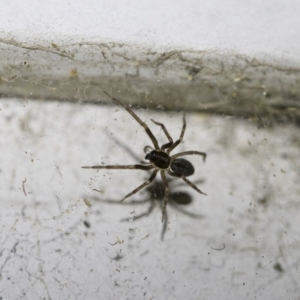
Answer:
(155, 195)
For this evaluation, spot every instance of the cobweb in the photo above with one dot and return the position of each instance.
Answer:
(64, 234)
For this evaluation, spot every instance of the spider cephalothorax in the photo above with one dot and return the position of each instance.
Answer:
(159, 159)
(163, 161)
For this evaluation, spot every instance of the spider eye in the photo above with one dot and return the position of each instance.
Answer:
(150, 155)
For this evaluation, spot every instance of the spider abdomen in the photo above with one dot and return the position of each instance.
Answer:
(183, 167)
(159, 158)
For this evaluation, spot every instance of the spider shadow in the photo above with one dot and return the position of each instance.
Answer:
(155, 193)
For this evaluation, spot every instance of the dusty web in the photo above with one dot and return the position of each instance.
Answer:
(61, 239)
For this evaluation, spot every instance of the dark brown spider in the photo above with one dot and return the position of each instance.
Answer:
(160, 159)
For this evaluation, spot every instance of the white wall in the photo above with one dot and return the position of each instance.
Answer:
(240, 241)
(266, 28)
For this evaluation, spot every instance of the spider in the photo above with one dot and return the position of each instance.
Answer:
(159, 159)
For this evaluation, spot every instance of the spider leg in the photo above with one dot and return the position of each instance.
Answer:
(148, 147)
(192, 185)
(116, 167)
(147, 129)
(187, 181)
(117, 202)
(167, 145)
(189, 153)
(181, 135)
(151, 178)
(166, 195)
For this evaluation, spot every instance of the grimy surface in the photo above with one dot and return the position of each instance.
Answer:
(61, 239)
